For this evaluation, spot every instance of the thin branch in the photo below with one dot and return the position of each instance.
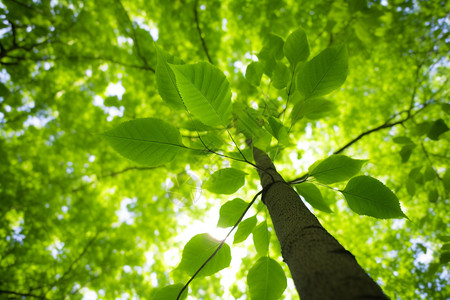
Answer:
(200, 34)
(133, 34)
(20, 294)
(221, 243)
(113, 174)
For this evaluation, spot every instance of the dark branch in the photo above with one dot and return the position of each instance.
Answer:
(200, 34)
(20, 294)
(113, 174)
(133, 33)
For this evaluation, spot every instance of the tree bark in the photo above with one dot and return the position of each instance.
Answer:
(320, 267)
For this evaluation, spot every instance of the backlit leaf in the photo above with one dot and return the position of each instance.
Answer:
(367, 196)
(225, 181)
(296, 47)
(148, 141)
(170, 292)
(197, 251)
(254, 72)
(336, 168)
(205, 92)
(313, 196)
(266, 280)
(244, 229)
(230, 212)
(165, 79)
(324, 73)
(261, 238)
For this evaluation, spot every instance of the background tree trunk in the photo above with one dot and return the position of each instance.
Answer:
(320, 267)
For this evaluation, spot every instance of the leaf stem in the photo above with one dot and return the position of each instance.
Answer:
(221, 243)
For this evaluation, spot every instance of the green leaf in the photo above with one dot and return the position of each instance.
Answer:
(446, 180)
(274, 44)
(422, 128)
(437, 128)
(416, 175)
(225, 181)
(312, 109)
(336, 168)
(267, 60)
(410, 187)
(197, 251)
(280, 76)
(445, 247)
(296, 47)
(205, 92)
(433, 195)
(277, 130)
(266, 280)
(444, 238)
(446, 107)
(367, 196)
(313, 196)
(230, 212)
(170, 292)
(261, 238)
(195, 125)
(429, 173)
(254, 72)
(406, 151)
(149, 141)
(244, 229)
(165, 79)
(251, 122)
(402, 140)
(444, 257)
(324, 73)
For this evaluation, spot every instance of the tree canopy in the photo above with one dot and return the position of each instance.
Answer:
(80, 221)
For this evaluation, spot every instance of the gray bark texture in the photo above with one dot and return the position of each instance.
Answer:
(320, 267)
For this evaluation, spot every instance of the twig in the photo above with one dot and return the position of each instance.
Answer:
(221, 243)
(133, 33)
(200, 34)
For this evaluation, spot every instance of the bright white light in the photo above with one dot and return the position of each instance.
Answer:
(224, 24)
(124, 215)
(88, 294)
(115, 89)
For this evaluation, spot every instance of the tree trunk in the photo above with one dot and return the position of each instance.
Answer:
(320, 267)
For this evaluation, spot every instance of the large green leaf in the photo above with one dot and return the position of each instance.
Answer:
(197, 251)
(230, 212)
(170, 292)
(244, 229)
(437, 128)
(261, 238)
(146, 141)
(313, 196)
(313, 109)
(324, 73)
(165, 79)
(205, 92)
(280, 76)
(266, 280)
(296, 47)
(225, 181)
(366, 195)
(336, 168)
(254, 72)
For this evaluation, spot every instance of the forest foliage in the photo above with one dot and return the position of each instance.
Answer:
(342, 91)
